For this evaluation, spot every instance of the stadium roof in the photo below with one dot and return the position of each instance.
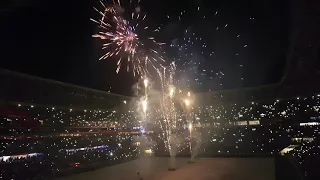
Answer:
(13, 73)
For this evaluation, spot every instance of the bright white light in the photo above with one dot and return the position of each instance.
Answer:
(310, 124)
(144, 105)
(190, 126)
(19, 105)
(187, 102)
(171, 92)
(148, 151)
(31, 106)
(125, 102)
(111, 154)
(145, 83)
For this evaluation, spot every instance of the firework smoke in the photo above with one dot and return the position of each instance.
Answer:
(196, 144)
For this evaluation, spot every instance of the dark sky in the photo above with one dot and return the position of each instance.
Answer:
(52, 39)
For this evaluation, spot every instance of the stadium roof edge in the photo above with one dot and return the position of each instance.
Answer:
(7, 71)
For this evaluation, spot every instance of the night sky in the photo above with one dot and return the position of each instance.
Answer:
(230, 44)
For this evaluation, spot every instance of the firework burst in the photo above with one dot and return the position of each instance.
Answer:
(120, 38)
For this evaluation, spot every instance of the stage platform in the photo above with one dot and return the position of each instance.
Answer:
(154, 168)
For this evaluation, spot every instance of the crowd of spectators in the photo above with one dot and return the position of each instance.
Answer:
(307, 159)
(50, 157)
(64, 139)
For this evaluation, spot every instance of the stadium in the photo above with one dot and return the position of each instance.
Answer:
(64, 129)
(56, 130)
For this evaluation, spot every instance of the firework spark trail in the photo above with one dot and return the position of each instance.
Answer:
(168, 123)
(120, 38)
(193, 51)
(145, 101)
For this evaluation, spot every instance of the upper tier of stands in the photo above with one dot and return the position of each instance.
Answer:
(18, 87)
